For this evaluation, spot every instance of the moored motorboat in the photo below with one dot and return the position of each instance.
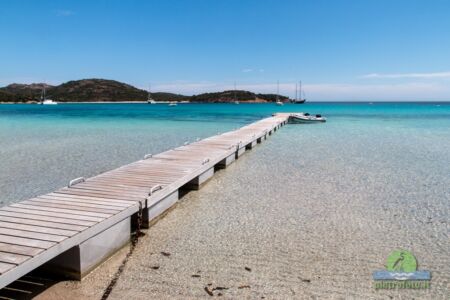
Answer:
(306, 118)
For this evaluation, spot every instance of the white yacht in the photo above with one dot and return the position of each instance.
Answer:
(45, 101)
(172, 103)
(234, 94)
(278, 102)
(150, 100)
(49, 102)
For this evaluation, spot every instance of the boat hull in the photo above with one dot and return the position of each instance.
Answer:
(297, 120)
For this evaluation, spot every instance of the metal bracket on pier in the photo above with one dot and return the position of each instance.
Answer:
(76, 181)
(206, 160)
(238, 145)
(154, 189)
(147, 156)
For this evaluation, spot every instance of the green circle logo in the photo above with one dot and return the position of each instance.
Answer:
(401, 261)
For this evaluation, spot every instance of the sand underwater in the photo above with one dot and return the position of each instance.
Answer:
(310, 213)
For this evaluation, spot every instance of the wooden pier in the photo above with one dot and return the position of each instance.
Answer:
(74, 229)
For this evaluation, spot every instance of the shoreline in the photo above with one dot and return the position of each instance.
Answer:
(232, 102)
(141, 102)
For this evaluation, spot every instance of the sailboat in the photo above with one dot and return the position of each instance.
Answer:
(302, 95)
(234, 94)
(45, 101)
(150, 100)
(278, 102)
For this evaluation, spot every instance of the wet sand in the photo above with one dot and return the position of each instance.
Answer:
(280, 224)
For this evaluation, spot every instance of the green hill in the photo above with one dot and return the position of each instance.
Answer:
(229, 96)
(102, 90)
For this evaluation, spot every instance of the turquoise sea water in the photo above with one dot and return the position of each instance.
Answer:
(43, 147)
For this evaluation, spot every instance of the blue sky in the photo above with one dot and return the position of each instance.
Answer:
(341, 50)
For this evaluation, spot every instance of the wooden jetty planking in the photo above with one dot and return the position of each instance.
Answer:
(39, 212)
(24, 250)
(74, 205)
(69, 199)
(46, 218)
(32, 235)
(39, 229)
(69, 212)
(17, 240)
(36, 230)
(51, 225)
(12, 258)
(45, 256)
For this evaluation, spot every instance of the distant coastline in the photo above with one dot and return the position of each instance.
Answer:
(133, 102)
(111, 91)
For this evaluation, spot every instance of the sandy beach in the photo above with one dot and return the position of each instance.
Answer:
(315, 230)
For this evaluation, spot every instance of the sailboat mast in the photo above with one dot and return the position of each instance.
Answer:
(149, 91)
(278, 89)
(300, 83)
(296, 91)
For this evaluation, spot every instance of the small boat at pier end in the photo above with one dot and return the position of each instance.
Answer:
(302, 118)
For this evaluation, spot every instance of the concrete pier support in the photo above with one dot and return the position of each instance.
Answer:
(240, 151)
(196, 183)
(251, 145)
(154, 211)
(227, 161)
(78, 261)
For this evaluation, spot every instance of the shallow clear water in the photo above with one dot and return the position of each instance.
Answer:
(329, 201)
(43, 147)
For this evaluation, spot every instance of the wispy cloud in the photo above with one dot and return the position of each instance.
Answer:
(248, 70)
(64, 12)
(409, 75)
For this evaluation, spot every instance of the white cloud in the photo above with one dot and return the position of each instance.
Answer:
(247, 70)
(64, 13)
(409, 75)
